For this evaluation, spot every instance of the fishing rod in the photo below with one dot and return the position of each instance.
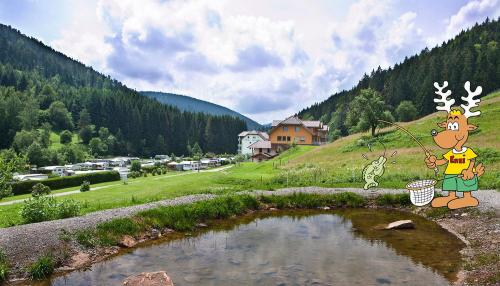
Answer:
(427, 153)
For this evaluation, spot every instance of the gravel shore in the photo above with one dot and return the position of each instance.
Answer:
(24, 243)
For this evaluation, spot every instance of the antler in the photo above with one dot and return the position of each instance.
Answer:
(471, 102)
(447, 103)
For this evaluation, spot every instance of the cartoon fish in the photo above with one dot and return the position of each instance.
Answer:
(374, 169)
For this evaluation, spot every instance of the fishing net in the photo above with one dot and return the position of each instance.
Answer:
(421, 191)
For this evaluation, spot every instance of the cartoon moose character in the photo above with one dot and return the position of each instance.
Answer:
(461, 174)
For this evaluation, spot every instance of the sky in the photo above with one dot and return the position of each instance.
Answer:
(267, 59)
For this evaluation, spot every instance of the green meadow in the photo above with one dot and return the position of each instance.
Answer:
(338, 164)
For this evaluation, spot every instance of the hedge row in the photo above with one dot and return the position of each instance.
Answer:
(24, 187)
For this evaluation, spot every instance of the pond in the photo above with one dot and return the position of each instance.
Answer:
(342, 247)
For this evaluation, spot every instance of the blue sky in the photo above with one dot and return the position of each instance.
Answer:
(264, 58)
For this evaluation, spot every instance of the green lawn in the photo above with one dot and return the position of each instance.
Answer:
(55, 140)
(153, 188)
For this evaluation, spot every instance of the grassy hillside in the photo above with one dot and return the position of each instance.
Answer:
(338, 164)
(55, 140)
(341, 163)
(187, 103)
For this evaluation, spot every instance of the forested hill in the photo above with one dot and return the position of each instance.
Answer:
(44, 91)
(473, 55)
(187, 103)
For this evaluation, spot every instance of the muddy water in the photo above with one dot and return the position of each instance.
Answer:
(293, 248)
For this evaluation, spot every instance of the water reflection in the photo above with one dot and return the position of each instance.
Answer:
(293, 248)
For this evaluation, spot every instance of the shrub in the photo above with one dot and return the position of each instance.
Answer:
(65, 137)
(24, 187)
(4, 266)
(67, 208)
(136, 166)
(44, 208)
(38, 209)
(42, 268)
(134, 175)
(40, 190)
(85, 187)
(145, 175)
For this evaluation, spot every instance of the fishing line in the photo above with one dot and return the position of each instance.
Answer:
(407, 132)
(427, 153)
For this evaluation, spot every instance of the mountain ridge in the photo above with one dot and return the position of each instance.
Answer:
(192, 104)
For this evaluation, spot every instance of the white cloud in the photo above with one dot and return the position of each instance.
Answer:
(470, 13)
(256, 57)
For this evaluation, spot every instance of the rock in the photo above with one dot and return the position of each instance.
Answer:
(159, 278)
(167, 230)
(326, 208)
(273, 209)
(127, 241)
(79, 260)
(201, 225)
(401, 224)
(464, 214)
(155, 233)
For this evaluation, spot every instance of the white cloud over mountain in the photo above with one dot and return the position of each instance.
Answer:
(265, 65)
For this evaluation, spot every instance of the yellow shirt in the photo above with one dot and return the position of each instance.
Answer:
(458, 160)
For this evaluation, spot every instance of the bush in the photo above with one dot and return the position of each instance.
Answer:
(42, 268)
(406, 111)
(44, 208)
(65, 137)
(136, 166)
(4, 266)
(85, 187)
(67, 208)
(134, 175)
(38, 209)
(40, 190)
(24, 187)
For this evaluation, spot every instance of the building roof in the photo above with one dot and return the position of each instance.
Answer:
(312, 124)
(263, 135)
(294, 120)
(266, 144)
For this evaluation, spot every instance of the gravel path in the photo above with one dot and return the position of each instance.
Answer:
(26, 242)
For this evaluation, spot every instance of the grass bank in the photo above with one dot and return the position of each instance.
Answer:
(187, 217)
(243, 176)
(340, 163)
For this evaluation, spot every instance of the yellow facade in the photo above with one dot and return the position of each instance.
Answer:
(288, 134)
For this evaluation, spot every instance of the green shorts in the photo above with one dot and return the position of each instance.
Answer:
(454, 183)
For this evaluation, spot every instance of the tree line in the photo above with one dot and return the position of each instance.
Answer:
(407, 90)
(43, 91)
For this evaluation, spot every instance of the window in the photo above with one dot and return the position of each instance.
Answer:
(297, 128)
(302, 139)
(285, 128)
(288, 138)
(279, 138)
